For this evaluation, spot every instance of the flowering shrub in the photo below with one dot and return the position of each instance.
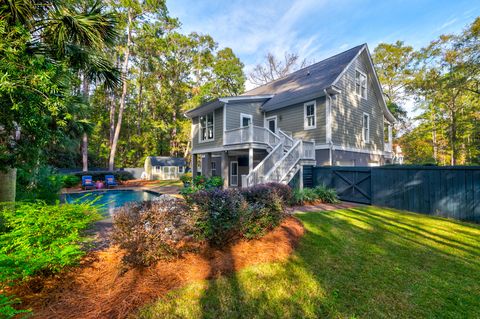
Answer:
(154, 230)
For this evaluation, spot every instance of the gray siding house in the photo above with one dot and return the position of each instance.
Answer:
(330, 113)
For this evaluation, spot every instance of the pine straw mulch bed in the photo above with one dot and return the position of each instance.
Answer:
(102, 288)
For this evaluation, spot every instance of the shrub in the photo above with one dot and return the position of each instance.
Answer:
(310, 195)
(220, 214)
(41, 238)
(228, 215)
(153, 230)
(326, 195)
(263, 215)
(283, 191)
(7, 310)
(201, 182)
(214, 182)
(70, 181)
(186, 178)
(100, 175)
(41, 183)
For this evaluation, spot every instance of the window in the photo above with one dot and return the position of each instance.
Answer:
(361, 84)
(245, 120)
(310, 112)
(181, 169)
(366, 128)
(234, 173)
(206, 127)
(214, 169)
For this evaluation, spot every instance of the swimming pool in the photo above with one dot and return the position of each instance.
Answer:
(111, 199)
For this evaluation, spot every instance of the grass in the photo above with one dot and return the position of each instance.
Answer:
(163, 183)
(365, 262)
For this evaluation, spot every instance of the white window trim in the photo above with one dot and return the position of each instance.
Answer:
(243, 115)
(231, 179)
(200, 129)
(314, 103)
(367, 139)
(267, 119)
(355, 84)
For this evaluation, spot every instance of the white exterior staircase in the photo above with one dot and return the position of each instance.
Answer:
(285, 159)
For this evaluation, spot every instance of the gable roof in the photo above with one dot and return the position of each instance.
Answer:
(307, 83)
(167, 161)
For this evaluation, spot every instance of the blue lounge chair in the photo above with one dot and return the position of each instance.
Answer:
(110, 181)
(87, 182)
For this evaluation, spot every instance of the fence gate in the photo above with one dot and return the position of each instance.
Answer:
(353, 184)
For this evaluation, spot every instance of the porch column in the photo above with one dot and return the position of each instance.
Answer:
(250, 160)
(207, 171)
(194, 165)
(225, 169)
(300, 182)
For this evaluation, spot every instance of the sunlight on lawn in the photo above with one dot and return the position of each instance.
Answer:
(364, 262)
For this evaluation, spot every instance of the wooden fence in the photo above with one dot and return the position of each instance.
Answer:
(452, 191)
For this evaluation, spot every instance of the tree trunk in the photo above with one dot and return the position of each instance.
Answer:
(113, 149)
(112, 119)
(86, 96)
(85, 152)
(8, 181)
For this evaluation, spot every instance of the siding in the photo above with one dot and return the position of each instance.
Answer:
(348, 109)
(291, 119)
(218, 132)
(235, 109)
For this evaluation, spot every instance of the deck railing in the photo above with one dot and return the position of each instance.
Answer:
(387, 147)
(251, 134)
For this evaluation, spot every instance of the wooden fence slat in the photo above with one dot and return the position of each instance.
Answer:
(452, 191)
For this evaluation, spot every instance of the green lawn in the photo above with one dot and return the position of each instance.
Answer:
(366, 262)
(163, 183)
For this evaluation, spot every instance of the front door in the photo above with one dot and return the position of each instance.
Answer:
(272, 124)
(234, 173)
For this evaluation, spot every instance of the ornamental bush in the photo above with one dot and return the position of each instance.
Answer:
(70, 181)
(221, 213)
(154, 230)
(232, 214)
(311, 195)
(326, 195)
(39, 238)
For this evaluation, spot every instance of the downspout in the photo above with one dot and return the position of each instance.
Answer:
(328, 126)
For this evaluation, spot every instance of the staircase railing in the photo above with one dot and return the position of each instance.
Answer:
(285, 164)
(257, 175)
(287, 139)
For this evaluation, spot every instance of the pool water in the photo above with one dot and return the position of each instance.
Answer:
(111, 199)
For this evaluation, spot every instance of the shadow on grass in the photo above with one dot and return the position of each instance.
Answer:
(356, 263)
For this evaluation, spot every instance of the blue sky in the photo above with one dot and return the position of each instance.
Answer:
(317, 29)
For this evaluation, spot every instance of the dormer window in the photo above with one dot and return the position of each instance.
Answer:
(206, 127)
(361, 84)
(310, 114)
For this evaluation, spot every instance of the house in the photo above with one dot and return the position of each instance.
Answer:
(164, 167)
(330, 113)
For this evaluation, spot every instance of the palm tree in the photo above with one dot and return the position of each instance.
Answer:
(73, 34)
